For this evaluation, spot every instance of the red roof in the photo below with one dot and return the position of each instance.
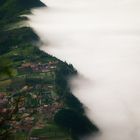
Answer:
(2, 95)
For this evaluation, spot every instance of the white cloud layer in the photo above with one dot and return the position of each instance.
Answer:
(101, 38)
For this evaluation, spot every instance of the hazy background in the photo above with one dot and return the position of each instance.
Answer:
(101, 38)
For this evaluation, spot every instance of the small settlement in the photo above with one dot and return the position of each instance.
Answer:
(22, 105)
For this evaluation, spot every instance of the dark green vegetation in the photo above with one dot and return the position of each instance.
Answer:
(10, 10)
(74, 122)
(35, 99)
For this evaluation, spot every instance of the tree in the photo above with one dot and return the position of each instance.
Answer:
(77, 123)
(5, 67)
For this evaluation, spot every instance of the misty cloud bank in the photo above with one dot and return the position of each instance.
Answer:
(101, 38)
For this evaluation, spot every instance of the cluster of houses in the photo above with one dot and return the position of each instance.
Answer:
(24, 125)
(50, 110)
(26, 122)
(38, 67)
(3, 103)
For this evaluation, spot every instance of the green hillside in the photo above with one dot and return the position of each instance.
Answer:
(35, 98)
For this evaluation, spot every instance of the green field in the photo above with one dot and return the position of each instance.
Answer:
(52, 132)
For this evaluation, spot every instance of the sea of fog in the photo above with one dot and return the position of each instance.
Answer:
(101, 38)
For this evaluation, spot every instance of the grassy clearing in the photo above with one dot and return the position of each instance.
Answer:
(5, 83)
(18, 136)
(52, 132)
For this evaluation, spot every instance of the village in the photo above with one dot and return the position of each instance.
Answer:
(38, 67)
(20, 110)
